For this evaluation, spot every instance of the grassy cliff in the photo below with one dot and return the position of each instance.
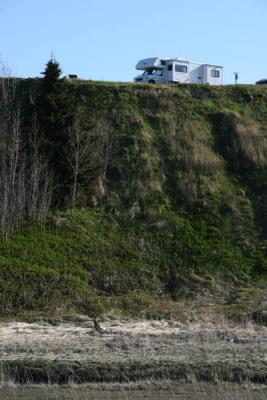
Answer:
(180, 212)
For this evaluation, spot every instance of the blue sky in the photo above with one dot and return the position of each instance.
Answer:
(104, 39)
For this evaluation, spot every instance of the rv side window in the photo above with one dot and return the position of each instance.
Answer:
(215, 73)
(181, 68)
(170, 67)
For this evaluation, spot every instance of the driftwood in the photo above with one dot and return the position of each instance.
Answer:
(98, 328)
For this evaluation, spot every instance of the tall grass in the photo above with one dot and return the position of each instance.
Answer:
(192, 162)
(250, 144)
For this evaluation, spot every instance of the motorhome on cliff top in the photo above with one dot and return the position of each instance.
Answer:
(177, 70)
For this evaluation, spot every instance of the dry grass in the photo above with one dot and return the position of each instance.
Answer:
(196, 164)
(250, 143)
(72, 351)
(140, 390)
(213, 346)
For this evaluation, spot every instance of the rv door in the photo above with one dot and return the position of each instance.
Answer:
(181, 72)
(169, 73)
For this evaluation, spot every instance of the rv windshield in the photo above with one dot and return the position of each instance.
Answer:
(152, 72)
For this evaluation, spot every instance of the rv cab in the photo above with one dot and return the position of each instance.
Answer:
(151, 76)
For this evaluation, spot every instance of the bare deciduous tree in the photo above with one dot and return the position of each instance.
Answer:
(12, 177)
(7, 90)
(78, 152)
(25, 183)
(39, 178)
(88, 151)
(105, 141)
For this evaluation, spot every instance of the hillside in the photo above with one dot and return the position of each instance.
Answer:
(176, 209)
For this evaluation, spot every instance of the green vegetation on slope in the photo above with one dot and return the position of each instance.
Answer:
(180, 209)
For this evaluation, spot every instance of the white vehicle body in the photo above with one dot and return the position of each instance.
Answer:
(177, 70)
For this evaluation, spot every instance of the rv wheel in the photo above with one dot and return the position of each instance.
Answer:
(151, 81)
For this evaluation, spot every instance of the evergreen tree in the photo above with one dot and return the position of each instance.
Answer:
(55, 113)
(52, 73)
(54, 105)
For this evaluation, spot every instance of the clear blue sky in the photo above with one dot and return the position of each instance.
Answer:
(104, 39)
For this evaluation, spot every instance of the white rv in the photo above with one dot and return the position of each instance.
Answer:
(177, 70)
